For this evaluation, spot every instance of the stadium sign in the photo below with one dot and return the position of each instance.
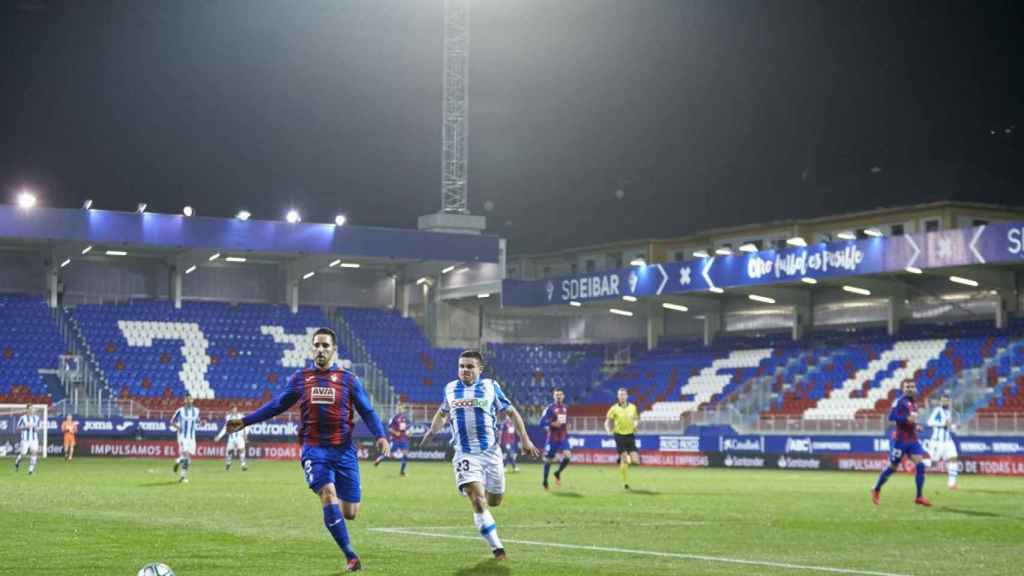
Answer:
(989, 244)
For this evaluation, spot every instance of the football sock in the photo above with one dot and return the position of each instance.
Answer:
(227, 458)
(919, 478)
(17, 461)
(624, 471)
(185, 463)
(561, 466)
(335, 524)
(547, 469)
(405, 460)
(954, 470)
(241, 457)
(883, 477)
(32, 463)
(512, 456)
(488, 529)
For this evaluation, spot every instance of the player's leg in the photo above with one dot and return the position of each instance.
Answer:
(513, 454)
(549, 455)
(471, 480)
(187, 448)
(22, 451)
(320, 477)
(565, 456)
(227, 457)
(241, 457)
(67, 450)
(895, 456)
(950, 455)
(917, 457)
(403, 459)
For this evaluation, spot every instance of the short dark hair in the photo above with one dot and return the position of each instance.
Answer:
(553, 390)
(473, 354)
(329, 332)
(622, 389)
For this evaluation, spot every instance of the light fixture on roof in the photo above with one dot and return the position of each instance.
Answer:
(962, 280)
(797, 241)
(65, 262)
(293, 217)
(483, 295)
(214, 256)
(873, 232)
(629, 298)
(914, 270)
(141, 207)
(422, 280)
(759, 298)
(188, 211)
(638, 262)
(856, 290)
(308, 275)
(238, 259)
(26, 200)
(86, 250)
(448, 269)
(116, 253)
(846, 235)
(809, 280)
(350, 264)
(716, 290)
(340, 220)
(243, 215)
(701, 253)
(748, 247)
(575, 304)
(620, 312)
(724, 251)
(87, 205)
(334, 263)
(190, 269)
(676, 307)
(463, 269)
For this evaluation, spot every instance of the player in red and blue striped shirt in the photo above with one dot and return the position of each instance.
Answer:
(556, 420)
(904, 443)
(398, 429)
(329, 398)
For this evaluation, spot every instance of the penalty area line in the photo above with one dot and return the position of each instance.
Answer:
(679, 555)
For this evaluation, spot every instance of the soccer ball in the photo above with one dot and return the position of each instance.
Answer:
(156, 569)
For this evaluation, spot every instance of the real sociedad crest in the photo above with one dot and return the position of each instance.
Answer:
(633, 280)
(550, 288)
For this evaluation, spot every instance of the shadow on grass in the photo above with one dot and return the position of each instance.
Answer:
(155, 484)
(642, 492)
(978, 513)
(567, 494)
(487, 567)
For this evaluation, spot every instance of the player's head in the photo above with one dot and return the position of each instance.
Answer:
(909, 387)
(623, 395)
(558, 395)
(471, 364)
(325, 346)
(946, 401)
(234, 408)
(188, 399)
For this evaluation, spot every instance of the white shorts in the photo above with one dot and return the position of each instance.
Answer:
(487, 468)
(27, 446)
(236, 445)
(942, 450)
(186, 445)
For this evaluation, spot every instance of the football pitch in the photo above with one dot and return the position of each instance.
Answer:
(109, 517)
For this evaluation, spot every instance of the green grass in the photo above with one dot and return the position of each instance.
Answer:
(109, 517)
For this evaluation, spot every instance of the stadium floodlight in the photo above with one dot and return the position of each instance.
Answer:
(448, 269)
(191, 269)
(748, 247)
(809, 280)
(759, 298)
(65, 262)
(846, 235)
(238, 259)
(797, 241)
(87, 205)
(701, 254)
(724, 251)
(962, 280)
(914, 270)
(116, 253)
(214, 256)
(86, 250)
(422, 280)
(340, 220)
(629, 298)
(620, 312)
(676, 307)
(141, 207)
(26, 200)
(308, 275)
(350, 264)
(716, 290)
(483, 295)
(243, 215)
(188, 211)
(873, 232)
(638, 262)
(334, 263)
(293, 217)
(575, 304)
(463, 269)
(856, 290)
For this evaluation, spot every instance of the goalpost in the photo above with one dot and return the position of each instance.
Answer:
(10, 436)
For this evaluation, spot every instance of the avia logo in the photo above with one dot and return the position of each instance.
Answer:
(550, 288)
(322, 395)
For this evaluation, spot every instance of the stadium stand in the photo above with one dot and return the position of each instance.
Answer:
(29, 341)
(529, 372)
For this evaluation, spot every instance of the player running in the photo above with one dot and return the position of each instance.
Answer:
(556, 419)
(904, 443)
(28, 424)
(70, 429)
(473, 405)
(941, 447)
(236, 440)
(398, 430)
(509, 443)
(327, 396)
(185, 421)
(622, 420)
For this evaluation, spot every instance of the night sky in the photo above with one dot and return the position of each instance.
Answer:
(702, 114)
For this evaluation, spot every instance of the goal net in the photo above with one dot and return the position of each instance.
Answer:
(10, 435)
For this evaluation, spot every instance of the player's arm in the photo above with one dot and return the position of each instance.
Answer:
(283, 401)
(608, 422)
(524, 438)
(370, 417)
(435, 424)
(173, 423)
(222, 432)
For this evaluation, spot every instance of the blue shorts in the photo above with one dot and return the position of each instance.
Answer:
(555, 446)
(901, 449)
(330, 465)
(400, 445)
(512, 448)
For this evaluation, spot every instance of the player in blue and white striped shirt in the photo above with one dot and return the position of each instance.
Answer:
(473, 404)
(941, 446)
(184, 422)
(28, 424)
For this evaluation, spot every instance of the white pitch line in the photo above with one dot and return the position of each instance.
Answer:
(648, 553)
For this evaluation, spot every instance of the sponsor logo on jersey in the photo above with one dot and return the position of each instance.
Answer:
(322, 395)
(469, 403)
